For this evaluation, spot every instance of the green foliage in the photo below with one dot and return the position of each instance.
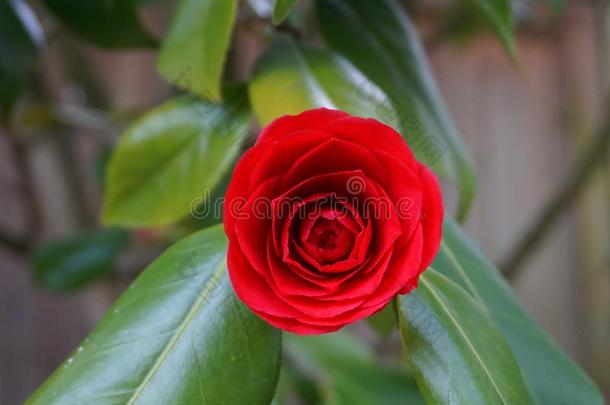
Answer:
(500, 17)
(457, 354)
(553, 377)
(377, 37)
(384, 321)
(171, 156)
(72, 262)
(348, 372)
(108, 24)
(281, 9)
(290, 78)
(178, 335)
(194, 50)
(20, 38)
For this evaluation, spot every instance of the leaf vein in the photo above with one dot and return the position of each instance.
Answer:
(201, 299)
(434, 294)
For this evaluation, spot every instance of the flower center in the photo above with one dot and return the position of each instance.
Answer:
(325, 233)
(327, 238)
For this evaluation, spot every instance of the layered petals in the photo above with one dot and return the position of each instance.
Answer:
(328, 217)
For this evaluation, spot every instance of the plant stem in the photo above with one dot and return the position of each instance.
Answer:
(596, 153)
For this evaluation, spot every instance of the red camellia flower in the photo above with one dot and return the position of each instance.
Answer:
(328, 217)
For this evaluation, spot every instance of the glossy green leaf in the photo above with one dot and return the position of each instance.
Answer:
(290, 78)
(457, 354)
(293, 383)
(378, 38)
(20, 38)
(177, 336)
(384, 321)
(552, 376)
(194, 50)
(499, 14)
(281, 9)
(170, 157)
(207, 210)
(108, 24)
(73, 262)
(348, 373)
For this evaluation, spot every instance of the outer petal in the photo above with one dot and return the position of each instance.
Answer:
(403, 267)
(295, 326)
(254, 224)
(238, 189)
(404, 188)
(310, 119)
(432, 215)
(277, 157)
(345, 318)
(372, 135)
(252, 289)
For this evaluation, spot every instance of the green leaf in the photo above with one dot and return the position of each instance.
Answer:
(20, 38)
(108, 24)
(295, 384)
(290, 78)
(349, 373)
(171, 156)
(281, 9)
(553, 377)
(207, 210)
(73, 262)
(384, 321)
(178, 335)
(194, 50)
(456, 352)
(377, 37)
(500, 16)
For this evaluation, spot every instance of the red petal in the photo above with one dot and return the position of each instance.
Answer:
(371, 134)
(285, 281)
(238, 190)
(295, 326)
(432, 215)
(404, 188)
(276, 158)
(334, 155)
(252, 228)
(252, 289)
(343, 319)
(311, 119)
(403, 267)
